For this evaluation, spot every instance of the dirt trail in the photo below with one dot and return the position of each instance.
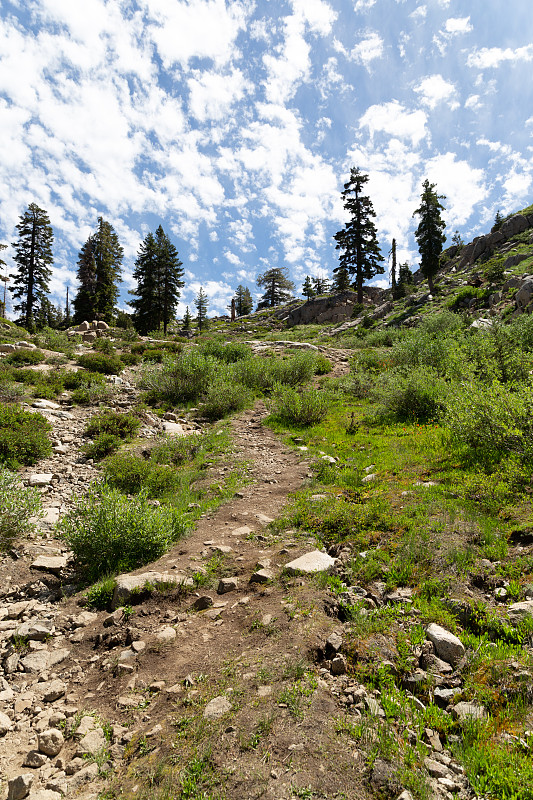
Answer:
(152, 674)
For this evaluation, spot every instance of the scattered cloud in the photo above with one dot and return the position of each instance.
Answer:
(434, 90)
(492, 57)
(396, 120)
(456, 25)
(368, 49)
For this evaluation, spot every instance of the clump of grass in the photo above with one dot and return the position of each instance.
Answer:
(22, 358)
(302, 408)
(23, 436)
(17, 505)
(100, 362)
(109, 533)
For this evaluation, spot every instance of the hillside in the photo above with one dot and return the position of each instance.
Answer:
(310, 571)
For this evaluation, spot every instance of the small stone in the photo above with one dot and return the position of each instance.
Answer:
(5, 724)
(41, 479)
(203, 602)
(435, 769)
(92, 743)
(463, 711)
(314, 561)
(262, 576)
(217, 707)
(333, 644)
(244, 530)
(166, 635)
(53, 564)
(19, 787)
(227, 585)
(448, 646)
(45, 794)
(338, 665)
(34, 759)
(50, 742)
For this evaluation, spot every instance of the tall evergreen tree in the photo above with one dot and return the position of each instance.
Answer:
(99, 266)
(201, 302)
(159, 280)
(430, 232)
(4, 279)
(308, 290)
(243, 301)
(320, 285)
(405, 280)
(187, 320)
(278, 287)
(357, 241)
(498, 220)
(33, 255)
(393, 267)
(341, 279)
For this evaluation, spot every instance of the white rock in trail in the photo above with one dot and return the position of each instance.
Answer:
(315, 561)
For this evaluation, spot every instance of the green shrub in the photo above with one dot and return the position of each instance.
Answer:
(306, 407)
(109, 533)
(154, 355)
(178, 450)
(100, 595)
(103, 445)
(125, 426)
(104, 345)
(17, 505)
(130, 359)
(99, 362)
(322, 364)
(181, 379)
(224, 397)
(23, 436)
(53, 339)
(494, 271)
(25, 358)
(127, 472)
(80, 379)
(416, 394)
(493, 420)
(229, 352)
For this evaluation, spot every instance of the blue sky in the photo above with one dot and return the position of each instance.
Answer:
(235, 123)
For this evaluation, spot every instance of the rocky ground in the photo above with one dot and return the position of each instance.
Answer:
(251, 668)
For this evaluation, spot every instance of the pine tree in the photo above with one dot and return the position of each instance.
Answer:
(341, 279)
(99, 264)
(47, 315)
(308, 289)
(457, 239)
(405, 280)
(243, 301)
(430, 232)
(498, 220)
(278, 287)
(320, 285)
(4, 278)
(159, 280)
(357, 241)
(187, 320)
(393, 268)
(33, 255)
(201, 302)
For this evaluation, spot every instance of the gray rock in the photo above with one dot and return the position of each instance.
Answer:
(166, 635)
(18, 788)
(45, 794)
(262, 576)
(203, 602)
(227, 585)
(53, 564)
(50, 742)
(338, 665)
(92, 743)
(127, 584)
(463, 711)
(333, 643)
(524, 295)
(405, 795)
(518, 611)
(51, 690)
(217, 707)
(43, 660)
(41, 479)
(448, 646)
(315, 561)
(435, 768)
(34, 759)
(5, 724)
(7, 348)
(85, 775)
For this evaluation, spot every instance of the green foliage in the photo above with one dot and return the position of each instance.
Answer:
(159, 275)
(416, 395)
(430, 231)
(494, 271)
(34, 259)
(201, 302)
(100, 595)
(98, 362)
(130, 359)
(17, 505)
(99, 265)
(229, 352)
(103, 445)
(23, 436)
(322, 364)
(492, 420)
(109, 533)
(182, 379)
(24, 358)
(302, 408)
(125, 426)
(224, 397)
(278, 287)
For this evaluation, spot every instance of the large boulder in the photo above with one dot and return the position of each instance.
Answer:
(524, 296)
(515, 225)
(332, 308)
(447, 645)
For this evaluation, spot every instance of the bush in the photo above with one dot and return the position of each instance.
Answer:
(223, 397)
(130, 359)
(17, 505)
(99, 362)
(23, 436)
(185, 378)
(414, 395)
(492, 420)
(125, 426)
(25, 358)
(127, 472)
(306, 407)
(178, 450)
(322, 364)
(109, 533)
(229, 353)
(103, 445)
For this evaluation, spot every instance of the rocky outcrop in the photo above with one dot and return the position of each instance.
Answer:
(335, 309)
(485, 246)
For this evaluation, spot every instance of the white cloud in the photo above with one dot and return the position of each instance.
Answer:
(491, 57)
(517, 185)
(368, 49)
(363, 5)
(212, 94)
(463, 185)
(420, 12)
(434, 90)
(396, 120)
(456, 25)
(232, 258)
(473, 102)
